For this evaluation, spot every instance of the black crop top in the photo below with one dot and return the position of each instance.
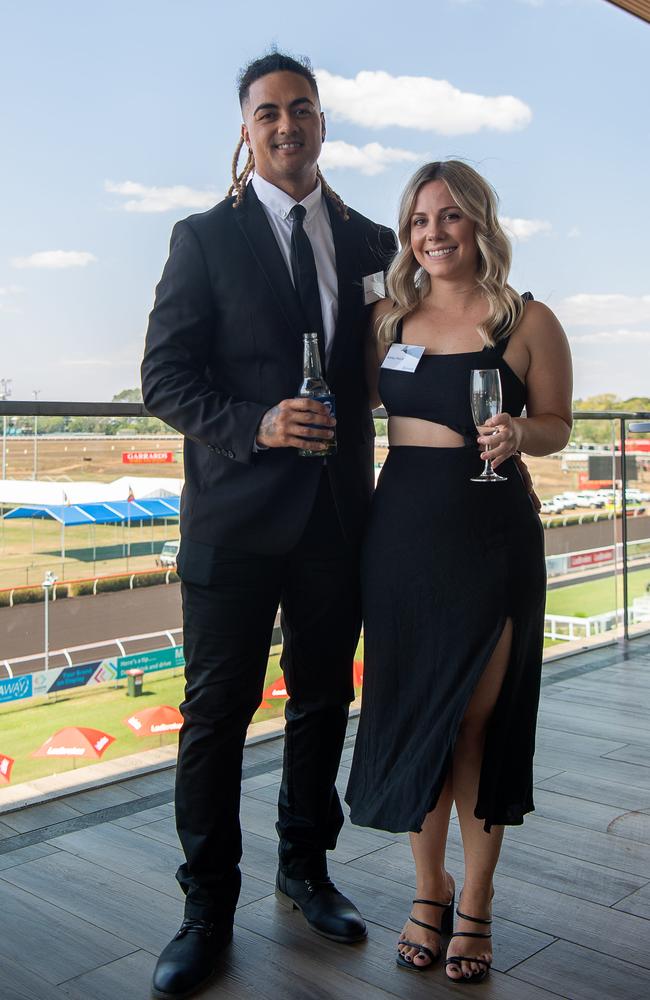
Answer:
(438, 389)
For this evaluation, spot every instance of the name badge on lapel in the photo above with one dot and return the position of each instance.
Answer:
(373, 288)
(403, 357)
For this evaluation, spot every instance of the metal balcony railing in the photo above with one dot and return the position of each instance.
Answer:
(620, 421)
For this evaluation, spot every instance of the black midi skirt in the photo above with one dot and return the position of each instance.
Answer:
(445, 563)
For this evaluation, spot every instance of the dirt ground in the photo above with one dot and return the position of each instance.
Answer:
(98, 458)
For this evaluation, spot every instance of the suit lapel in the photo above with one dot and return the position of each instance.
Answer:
(347, 273)
(264, 247)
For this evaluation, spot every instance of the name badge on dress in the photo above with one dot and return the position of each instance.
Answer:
(403, 357)
(374, 288)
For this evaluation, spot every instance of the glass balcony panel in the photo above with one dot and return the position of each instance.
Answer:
(637, 497)
(91, 503)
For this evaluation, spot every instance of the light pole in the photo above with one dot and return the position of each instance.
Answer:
(35, 394)
(48, 583)
(5, 393)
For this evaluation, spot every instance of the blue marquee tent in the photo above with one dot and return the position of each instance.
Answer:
(120, 511)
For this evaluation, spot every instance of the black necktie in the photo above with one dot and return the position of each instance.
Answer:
(305, 277)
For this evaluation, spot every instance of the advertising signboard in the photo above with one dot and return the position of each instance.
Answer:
(156, 659)
(147, 457)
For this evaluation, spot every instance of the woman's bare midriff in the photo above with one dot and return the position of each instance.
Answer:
(405, 431)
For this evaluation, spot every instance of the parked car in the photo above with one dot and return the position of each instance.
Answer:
(168, 554)
(566, 501)
(589, 500)
(551, 507)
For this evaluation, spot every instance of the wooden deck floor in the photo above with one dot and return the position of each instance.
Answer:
(87, 897)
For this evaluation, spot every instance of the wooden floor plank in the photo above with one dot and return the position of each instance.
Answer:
(632, 754)
(145, 816)
(572, 904)
(566, 874)
(125, 852)
(584, 974)
(632, 825)
(18, 982)
(575, 811)
(617, 934)
(22, 854)
(126, 906)
(149, 784)
(570, 743)
(260, 817)
(590, 723)
(53, 943)
(126, 979)
(599, 789)
(635, 775)
(24, 820)
(585, 845)
(101, 798)
(372, 962)
(394, 864)
(638, 903)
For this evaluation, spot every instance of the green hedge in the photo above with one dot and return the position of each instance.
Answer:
(33, 595)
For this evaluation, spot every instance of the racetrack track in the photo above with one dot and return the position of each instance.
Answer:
(75, 621)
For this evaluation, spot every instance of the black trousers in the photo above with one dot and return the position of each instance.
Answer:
(227, 634)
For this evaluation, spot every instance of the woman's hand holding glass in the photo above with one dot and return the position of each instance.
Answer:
(502, 440)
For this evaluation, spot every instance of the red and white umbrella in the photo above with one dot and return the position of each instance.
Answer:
(75, 741)
(155, 721)
(275, 692)
(6, 764)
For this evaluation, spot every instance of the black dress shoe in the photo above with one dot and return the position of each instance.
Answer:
(189, 960)
(326, 910)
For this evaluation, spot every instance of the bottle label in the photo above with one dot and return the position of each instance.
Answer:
(329, 401)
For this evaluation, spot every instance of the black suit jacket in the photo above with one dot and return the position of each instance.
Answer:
(224, 344)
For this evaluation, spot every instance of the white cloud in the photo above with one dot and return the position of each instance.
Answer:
(375, 99)
(620, 337)
(369, 159)
(55, 260)
(523, 229)
(161, 199)
(604, 310)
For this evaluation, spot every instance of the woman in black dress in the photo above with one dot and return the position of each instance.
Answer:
(453, 570)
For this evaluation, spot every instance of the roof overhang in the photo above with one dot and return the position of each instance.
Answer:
(640, 8)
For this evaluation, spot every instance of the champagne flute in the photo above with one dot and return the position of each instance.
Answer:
(485, 399)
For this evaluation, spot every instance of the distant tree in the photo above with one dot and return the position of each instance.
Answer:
(128, 396)
(604, 431)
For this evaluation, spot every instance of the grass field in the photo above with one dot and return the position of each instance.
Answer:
(25, 726)
(596, 597)
(29, 548)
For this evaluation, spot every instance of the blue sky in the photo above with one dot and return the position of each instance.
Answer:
(118, 118)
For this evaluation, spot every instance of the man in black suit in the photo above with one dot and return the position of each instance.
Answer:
(261, 525)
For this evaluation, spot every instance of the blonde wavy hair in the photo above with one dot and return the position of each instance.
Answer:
(408, 283)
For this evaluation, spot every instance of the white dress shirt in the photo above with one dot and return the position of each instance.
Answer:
(277, 204)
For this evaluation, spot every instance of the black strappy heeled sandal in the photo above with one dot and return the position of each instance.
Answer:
(446, 927)
(476, 977)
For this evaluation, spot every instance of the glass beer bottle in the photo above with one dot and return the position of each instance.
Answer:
(314, 386)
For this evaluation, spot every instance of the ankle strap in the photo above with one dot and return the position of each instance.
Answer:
(432, 902)
(428, 927)
(474, 920)
(472, 934)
